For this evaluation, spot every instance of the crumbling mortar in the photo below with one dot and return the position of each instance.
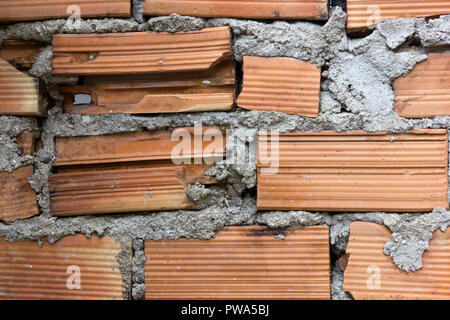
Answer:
(368, 105)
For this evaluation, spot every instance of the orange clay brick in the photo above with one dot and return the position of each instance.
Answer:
(25, 10)
(20, 53)
(425, 91)
(19, 93)
(280, 84)
(210, 90)
(272, 9)
(365, 13)
(17, 199)
(73, 268)
(354, 171)
(241, 263)
(370, 274)
(140, 52)
(131, 172)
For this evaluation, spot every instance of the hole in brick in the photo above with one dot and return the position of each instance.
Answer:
(82, 98)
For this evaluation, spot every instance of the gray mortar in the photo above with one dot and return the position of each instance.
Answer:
(137, 10)
(43, 31)
(337, 281)
(366, 105)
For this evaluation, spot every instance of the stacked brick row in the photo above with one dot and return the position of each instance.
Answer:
(185, 72)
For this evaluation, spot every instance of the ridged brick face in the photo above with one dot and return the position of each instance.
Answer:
(365, 13)
(425, 91)
(20, 53)
(267, 9)
(241, 263)
(354, 171)
(19, 93)
(131, 172)
(280, 84)
(370, 274)
(140, 52)
(211, 90)
(28, 142)
(74, 267)
(25, 10)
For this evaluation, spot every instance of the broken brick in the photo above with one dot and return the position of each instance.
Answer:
(353, 171)
(425, 91)
(370, 274)
(74, 267)
(20, 53)
(241, 263)
(25, 10)
(134, 147)
(275, 9)
(131, 172)
(210, 90)
(365, 13)
(280, 84)
(28, 142)
(19, 93)
(140, 52)
(17, 199)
